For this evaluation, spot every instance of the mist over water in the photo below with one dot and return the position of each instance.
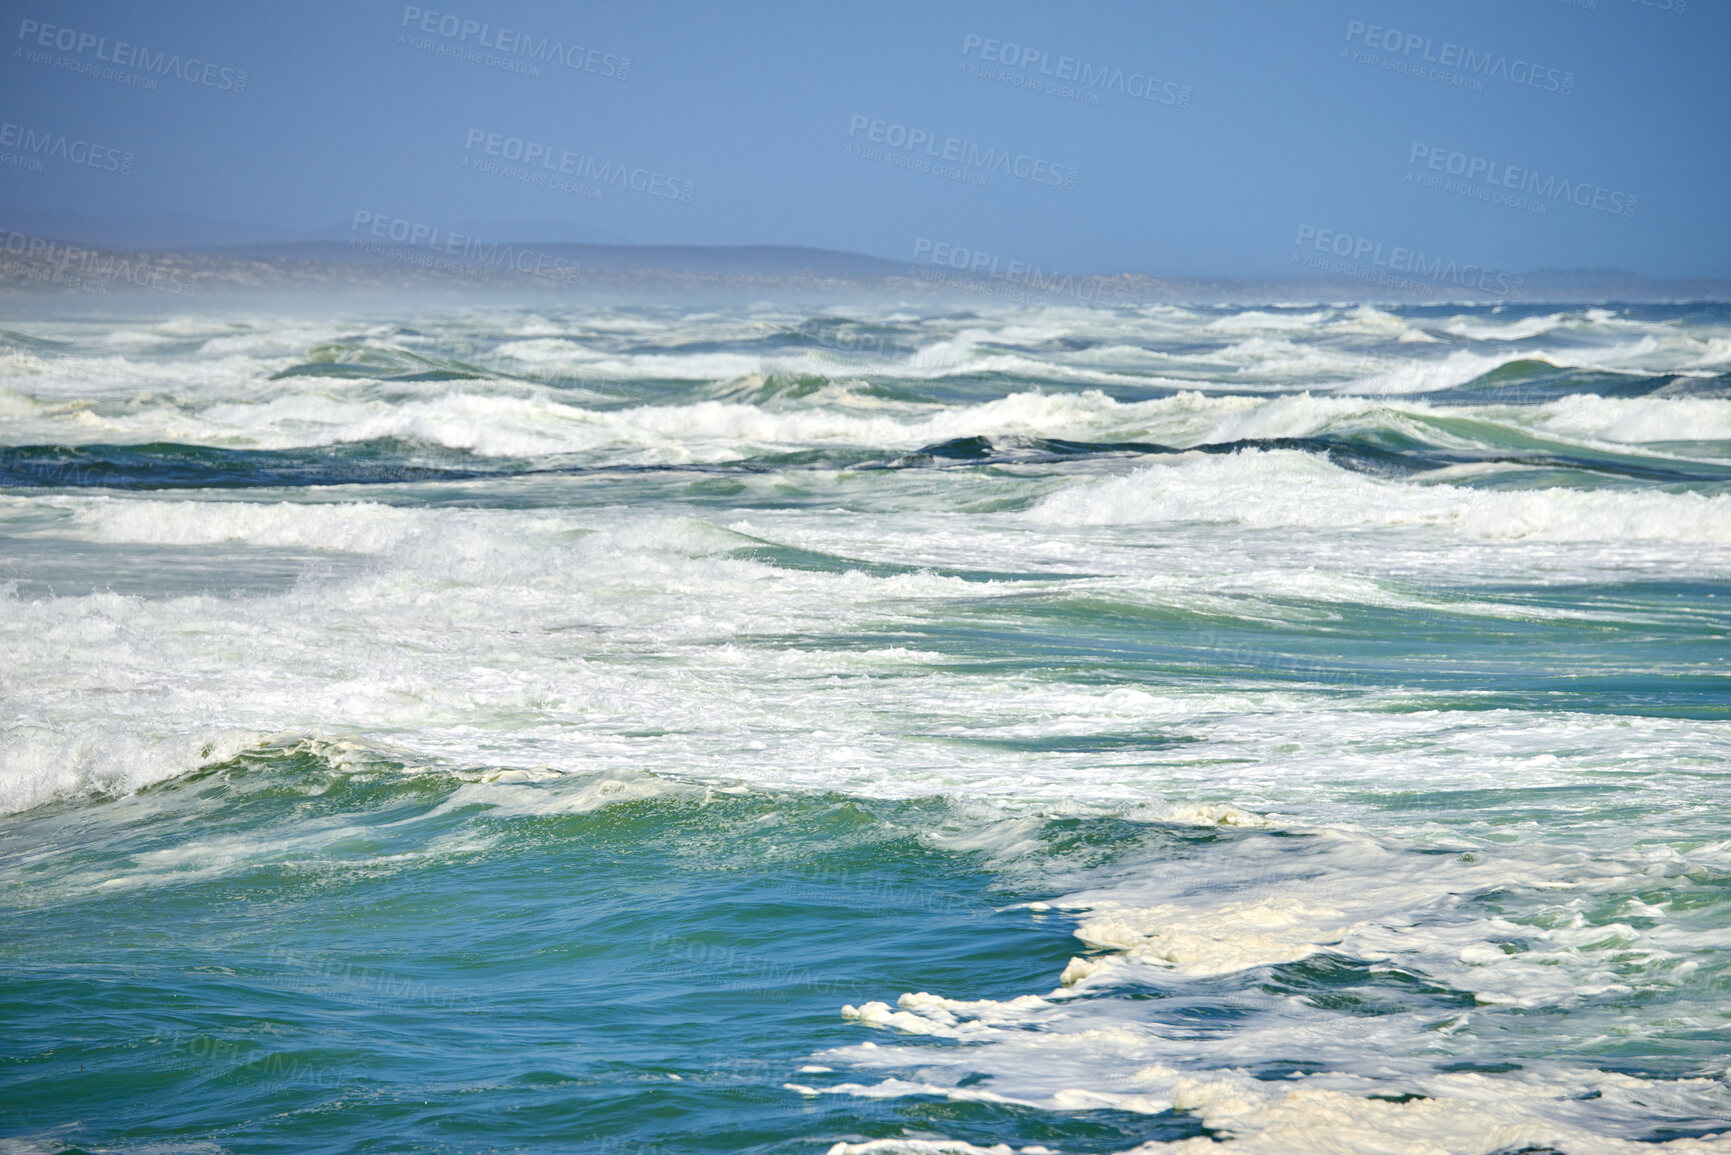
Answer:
(912, 728)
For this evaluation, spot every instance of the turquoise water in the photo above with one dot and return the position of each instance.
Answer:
(644, 730)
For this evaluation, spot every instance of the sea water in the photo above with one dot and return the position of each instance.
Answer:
(901, 729)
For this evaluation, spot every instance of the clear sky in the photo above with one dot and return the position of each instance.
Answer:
(1194, 138)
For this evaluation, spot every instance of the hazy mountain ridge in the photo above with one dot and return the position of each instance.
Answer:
(41, 265)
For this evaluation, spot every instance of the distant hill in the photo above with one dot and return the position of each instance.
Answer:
(465, 267)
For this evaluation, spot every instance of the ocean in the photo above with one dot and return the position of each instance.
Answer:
(877, 728)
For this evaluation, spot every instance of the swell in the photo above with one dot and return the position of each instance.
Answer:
(1529, 381)
(1380, 452)
(381, 363)
(386, 461)
(1384, 452)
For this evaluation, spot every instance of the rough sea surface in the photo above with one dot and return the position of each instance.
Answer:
(645, 730)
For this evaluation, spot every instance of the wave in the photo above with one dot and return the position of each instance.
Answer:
(170, 466)
(379, 363)
(1380, 454)
(783, 415)
(814, 424)
(1528, 381)
(466, 631)
(1231, 975)
(632, 353)
(1281, 488)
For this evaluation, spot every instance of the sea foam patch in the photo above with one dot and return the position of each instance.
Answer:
(1282, 488)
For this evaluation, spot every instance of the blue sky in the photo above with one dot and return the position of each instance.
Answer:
(1187, 139)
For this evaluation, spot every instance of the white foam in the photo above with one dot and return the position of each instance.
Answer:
(518, 792)
(1261, 902)
(1637, 419)
(926, 1146)
(1279, 489)
(1258, 320)
(360, 527)
(548, 422)
(41, 762)
(1220, 940)
(1520, 329)
(1469, 1114)
(1457, 367)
